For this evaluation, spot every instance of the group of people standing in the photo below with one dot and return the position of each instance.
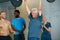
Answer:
(38, 25)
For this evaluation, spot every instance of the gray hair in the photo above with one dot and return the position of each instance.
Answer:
(34, 9)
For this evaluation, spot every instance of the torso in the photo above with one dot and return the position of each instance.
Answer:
(45, 32)
(18, 24)
(4, 28)
(34, 27)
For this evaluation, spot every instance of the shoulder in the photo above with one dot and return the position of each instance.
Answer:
(22, 18)
(13, 19)
(8, 22)
(49, 24)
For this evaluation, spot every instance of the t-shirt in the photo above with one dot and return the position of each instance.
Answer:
(18, 24)
(34, 26)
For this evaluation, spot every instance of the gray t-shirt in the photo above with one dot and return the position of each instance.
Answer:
(34, 26)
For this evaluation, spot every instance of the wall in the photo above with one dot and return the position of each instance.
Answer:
(7, 6)
(52, 12)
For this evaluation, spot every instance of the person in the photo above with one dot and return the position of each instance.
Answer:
(46, 29)
(19, 25)
(5, 27)
(35, 23)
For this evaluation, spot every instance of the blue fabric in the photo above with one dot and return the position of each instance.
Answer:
(5, 38)
(19, 37)
(46, 35)
(46, 38)
(18, 24)
(33, 38)
(34, 26)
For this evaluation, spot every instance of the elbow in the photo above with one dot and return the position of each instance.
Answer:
(11, 31)
(49, 30)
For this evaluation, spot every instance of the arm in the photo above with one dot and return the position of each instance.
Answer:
(24, 25)
(41, 30)
(27, 8)
(10, 28)
(15, 29)
(24, 28)
(40, 7)
(12, 25)
(48, 29)
(21, 31)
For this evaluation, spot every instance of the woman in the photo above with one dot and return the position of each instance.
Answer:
(46, 30)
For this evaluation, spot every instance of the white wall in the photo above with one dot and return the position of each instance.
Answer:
(7, 6)
(51, 10)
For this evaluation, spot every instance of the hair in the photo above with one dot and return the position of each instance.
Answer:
(1, 12)
(34, 9)
(18, 12)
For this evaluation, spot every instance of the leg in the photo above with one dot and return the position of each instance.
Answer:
(16, 37)
(22, 37)
(1, 38)
(43, 38)
(8, 38)
(49, 38)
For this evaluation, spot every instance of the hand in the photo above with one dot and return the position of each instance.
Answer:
(42, 26)
(21, 31)
(14, 32)
(41, 30)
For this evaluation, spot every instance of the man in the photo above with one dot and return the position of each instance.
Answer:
(5, 27)
(19, 25)
(35, 17)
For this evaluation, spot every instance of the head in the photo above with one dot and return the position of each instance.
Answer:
(16, 13)
(3, 14)
(34, 12)
(44, 19)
